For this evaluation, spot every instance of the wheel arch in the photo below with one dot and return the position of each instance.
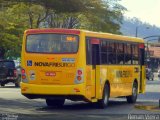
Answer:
(137, 83)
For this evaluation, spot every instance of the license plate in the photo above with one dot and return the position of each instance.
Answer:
(50, 74)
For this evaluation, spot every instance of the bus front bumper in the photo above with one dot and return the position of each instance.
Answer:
(42, 91)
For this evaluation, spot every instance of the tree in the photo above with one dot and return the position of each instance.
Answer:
(11, 32)
(18, 15)
(70, 13)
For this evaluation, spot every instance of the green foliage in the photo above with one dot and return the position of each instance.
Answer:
(11, 32)
(18, 15)
(59, 6)
(105, 16)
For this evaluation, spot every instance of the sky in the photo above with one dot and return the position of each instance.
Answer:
(146, 10)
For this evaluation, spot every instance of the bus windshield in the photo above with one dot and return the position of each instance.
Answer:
(52, 43)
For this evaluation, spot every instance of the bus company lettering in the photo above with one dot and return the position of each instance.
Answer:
(54, 64)
(123, 73)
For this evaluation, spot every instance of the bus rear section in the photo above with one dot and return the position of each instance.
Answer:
(50, 66)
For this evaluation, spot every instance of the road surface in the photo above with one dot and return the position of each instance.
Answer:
(16, 107)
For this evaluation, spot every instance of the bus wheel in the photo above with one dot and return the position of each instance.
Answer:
(55, 102)
(132, 98)
(105, 98)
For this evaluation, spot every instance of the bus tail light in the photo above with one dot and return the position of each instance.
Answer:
(23, 71)
(24, 78)
(79, 76)
(79, 72)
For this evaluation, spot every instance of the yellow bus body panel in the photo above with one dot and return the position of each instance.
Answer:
(119, 86)
(94, 81)
(52, 89)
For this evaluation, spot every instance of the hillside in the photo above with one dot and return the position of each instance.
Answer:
(144, 29)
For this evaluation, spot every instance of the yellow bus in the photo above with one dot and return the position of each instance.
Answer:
(59, 64)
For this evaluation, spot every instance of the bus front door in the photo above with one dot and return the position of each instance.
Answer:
(96, 66)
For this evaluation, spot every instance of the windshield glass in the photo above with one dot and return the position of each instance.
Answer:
(52, 43)
(7, 64)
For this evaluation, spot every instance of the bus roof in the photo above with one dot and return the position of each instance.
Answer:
(51, 30)
(113, 36)
(87, 33)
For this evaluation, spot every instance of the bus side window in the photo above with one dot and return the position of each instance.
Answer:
(111, 53)
(128, 54)
(120, 53)
(104, 46)
(135, 53)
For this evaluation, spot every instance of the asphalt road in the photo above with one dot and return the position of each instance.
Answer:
(14, 106)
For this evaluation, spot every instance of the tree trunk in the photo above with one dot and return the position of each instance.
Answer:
(2, 53)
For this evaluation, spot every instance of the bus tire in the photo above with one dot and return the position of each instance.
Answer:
(102, 103)
(132, 98)
(55, 102)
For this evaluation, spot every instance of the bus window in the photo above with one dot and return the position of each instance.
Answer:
(135, 53)
(111, 53)
(104, 46)
(120, 53)
(92, 51)
(127, 52)
(52, 43)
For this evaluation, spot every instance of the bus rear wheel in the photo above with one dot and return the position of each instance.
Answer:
(105, 98)
(132, 98)
(55, 102)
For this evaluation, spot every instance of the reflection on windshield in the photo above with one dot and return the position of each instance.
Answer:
(7, 64)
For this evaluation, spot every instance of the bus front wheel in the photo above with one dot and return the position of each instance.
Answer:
(105, 98)
(132, 98)
(55, 102)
